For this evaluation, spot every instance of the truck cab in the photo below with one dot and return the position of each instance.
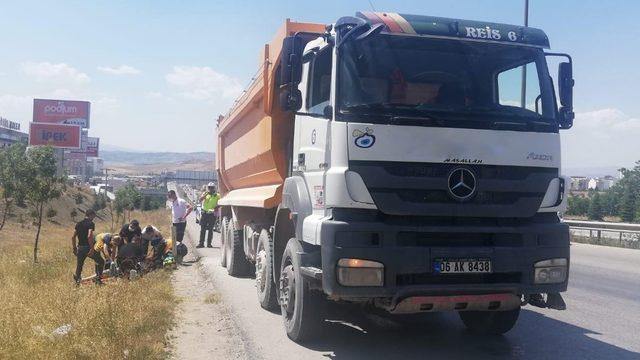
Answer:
(424, 170)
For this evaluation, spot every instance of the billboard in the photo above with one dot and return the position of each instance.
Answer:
(84, 138)
(88, 145)
(8, 124)
(73, 155)
(61, 112)
(93, 145)
(56, 135)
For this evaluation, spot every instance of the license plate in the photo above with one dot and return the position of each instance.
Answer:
(462, 266)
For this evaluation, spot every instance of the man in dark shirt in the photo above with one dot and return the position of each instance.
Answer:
(130, 231)
(84, 248)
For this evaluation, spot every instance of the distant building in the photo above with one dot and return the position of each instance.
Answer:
(601, 184)
(96, 165)
(579, 183)
(10, 133)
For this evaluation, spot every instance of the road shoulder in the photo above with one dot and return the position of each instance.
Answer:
(204, 327)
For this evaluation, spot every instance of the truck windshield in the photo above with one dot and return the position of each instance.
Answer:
(458, 83)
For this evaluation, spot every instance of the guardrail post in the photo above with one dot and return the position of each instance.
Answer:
(599, 236)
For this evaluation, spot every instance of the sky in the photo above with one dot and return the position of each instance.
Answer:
(158, 73)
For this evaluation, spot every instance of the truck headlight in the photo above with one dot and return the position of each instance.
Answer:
(359, 272)
(551, 271)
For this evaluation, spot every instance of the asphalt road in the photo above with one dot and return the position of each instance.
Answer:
(602, 320)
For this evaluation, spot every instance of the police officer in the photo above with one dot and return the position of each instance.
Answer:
(209, 200)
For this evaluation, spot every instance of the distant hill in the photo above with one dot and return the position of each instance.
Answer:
(144, 158)
(594, 171)
(128, 162)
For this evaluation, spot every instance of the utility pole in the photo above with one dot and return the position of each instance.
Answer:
(106, 180)
(523, 91)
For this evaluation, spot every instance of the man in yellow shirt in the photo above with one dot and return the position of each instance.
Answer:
(107, 244)
(209, 202)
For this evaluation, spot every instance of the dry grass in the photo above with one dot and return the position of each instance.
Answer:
(120, 319)
(212, 298)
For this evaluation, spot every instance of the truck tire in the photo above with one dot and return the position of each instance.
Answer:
(223, 241)
(237, 263)
(265, 285)
(302, 309)
(490, 322)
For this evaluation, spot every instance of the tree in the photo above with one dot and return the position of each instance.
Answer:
(578, 205)
(595, 208)
(43, 184)
(628, 205)
(128, 198)
(12, 176)
(609, 202)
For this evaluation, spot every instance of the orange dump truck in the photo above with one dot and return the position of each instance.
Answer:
(381, 160)
(255, 136)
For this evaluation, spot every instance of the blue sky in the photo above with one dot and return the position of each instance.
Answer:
(166, 69)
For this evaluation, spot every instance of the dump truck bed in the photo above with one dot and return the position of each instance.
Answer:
(254, 138)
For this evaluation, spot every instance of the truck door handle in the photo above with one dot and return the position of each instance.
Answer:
(301, 159)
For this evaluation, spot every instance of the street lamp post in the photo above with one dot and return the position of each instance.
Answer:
(523, 90)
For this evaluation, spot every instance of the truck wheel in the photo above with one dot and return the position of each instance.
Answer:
(237, 263)
(264, 272)
(223, 242)
(490, 322)
(302, 309)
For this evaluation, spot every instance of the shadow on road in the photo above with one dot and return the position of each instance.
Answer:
(441, 335)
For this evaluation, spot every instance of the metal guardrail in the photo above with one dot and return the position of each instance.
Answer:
(599, 231)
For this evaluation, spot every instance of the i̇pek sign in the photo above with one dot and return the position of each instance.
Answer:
(56, 135)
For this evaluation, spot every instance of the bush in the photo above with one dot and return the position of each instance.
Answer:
(74, 214)
(100, 202)
(78, 198)
(51, 213)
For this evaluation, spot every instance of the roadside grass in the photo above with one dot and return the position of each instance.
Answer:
(121, 319)
(212, 298)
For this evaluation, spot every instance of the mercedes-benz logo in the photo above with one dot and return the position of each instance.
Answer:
(461, 184)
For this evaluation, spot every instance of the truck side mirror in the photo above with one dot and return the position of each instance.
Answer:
(290, 99)
(565, 82)
(565, 88)
(565, 91)
(291, 60)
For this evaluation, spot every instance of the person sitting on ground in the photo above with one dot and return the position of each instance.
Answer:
(149, 233)
(129, 256)
(161, 249)
(130, 231)
(84, 248)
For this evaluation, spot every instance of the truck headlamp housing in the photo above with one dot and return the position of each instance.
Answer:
(359, 272)
(551, 271)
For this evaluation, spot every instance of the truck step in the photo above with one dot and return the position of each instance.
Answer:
(311, 272)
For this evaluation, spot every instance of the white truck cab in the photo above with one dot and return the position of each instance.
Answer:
(427, 160)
